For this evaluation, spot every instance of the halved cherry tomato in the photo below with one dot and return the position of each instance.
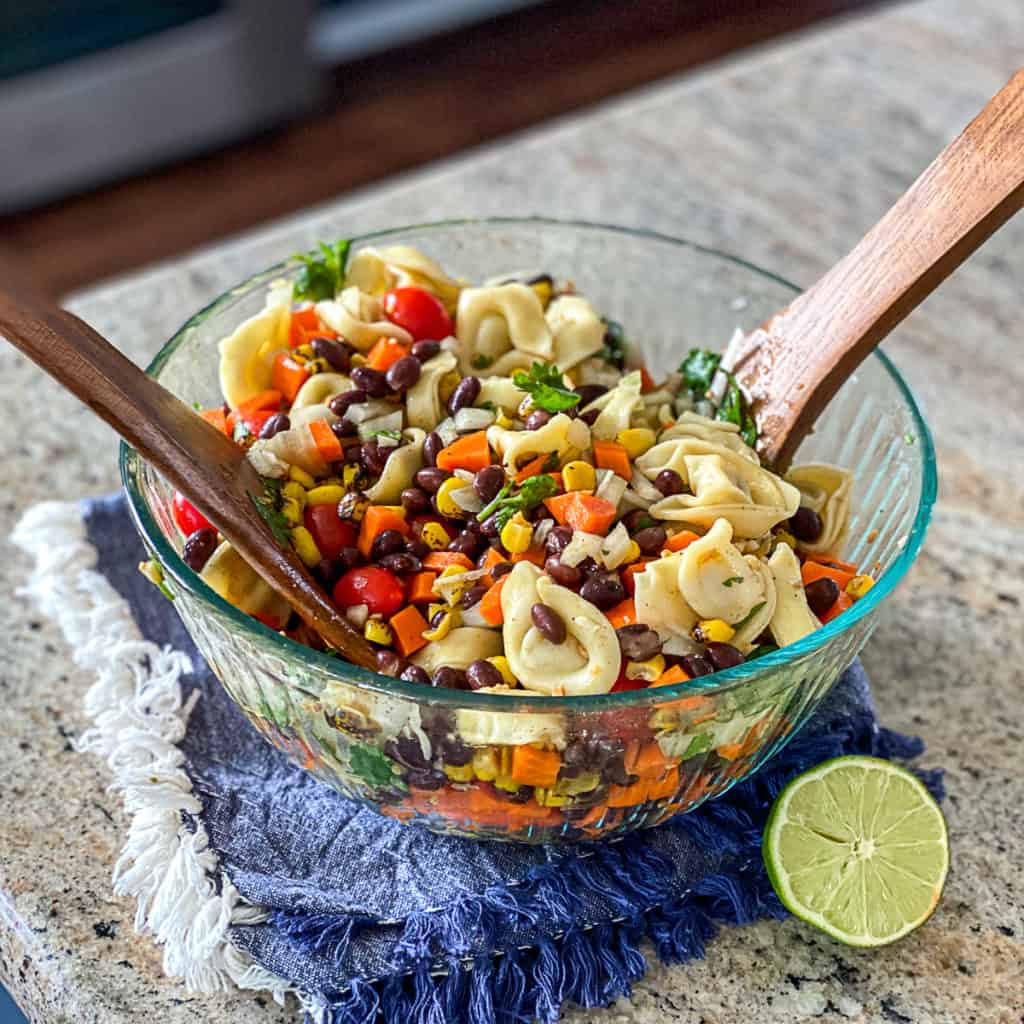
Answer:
(187, 516)
(381, 591)
(330, 533)
(419, 312)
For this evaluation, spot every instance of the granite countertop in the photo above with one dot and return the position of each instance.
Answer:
(785, 156)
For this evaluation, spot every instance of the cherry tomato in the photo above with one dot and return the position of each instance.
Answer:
(381, 591)
(187, 516)
(330, 533)
(419, 312)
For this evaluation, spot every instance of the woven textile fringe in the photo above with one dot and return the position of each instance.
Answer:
(139, 717)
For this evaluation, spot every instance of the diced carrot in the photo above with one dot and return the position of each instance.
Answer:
(485, 807)
(746, 746)
(582, 511)
(843, 602)
(537, 555)
(303, 323)
(270, 399)
(440, 560)
(533, 468)
(612, 455)
(217, 418)
(532, 766)
(671, 676)
(629, 574)
(646, 381)
(470, 452)
(492, 558)
(834, 563)
(490, 603)
(421, 588)
(288, 376)
(623, 614)
(681, 540)
(326, 441)
(646, 759)
(812, 571)
(628, 796)
(665, 787)
(408, 626)
(385, 353)
(377, 519)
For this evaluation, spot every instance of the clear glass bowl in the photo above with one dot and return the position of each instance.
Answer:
(438, 757)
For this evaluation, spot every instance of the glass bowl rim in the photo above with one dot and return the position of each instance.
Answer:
(387, 686)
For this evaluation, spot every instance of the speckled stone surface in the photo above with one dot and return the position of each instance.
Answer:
(785, 156)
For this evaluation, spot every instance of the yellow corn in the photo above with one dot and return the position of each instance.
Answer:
(448, 383)
(435, 536)
(507, 783)
(502, 420)
(459, 772)
(582, 783)
(305, 546)
(349, 475)
(648, 670)
(516, 534)
(300, 476)
(377, 631)
(636, 440)
(716, 631)
(445, 503)
(325, 494)
(549, 798)
(500, 662)
(785, 537)
(295, 492)
(505, 761)
(544, 289)
(579, 476)
(632, 553)
(859, 586)
(302, 354)
(292, 512)
(485, 764)
(357, 359)
(442, 629)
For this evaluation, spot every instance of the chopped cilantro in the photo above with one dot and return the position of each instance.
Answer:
(746, 618)
(614, 349)
(545, 386)
(198, 406)
(732, 580)
(760, 650)
(269, 507)
(481, 362)
(698, 370)
(488, 405)
(322, 273)
(394, 435)
(531, 493)
(372, 765)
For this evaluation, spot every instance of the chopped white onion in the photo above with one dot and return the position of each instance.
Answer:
(469, 419)
(631, 500)
(474, 617)
(541, 531)
(382, 425)
(615, 549)
(467, 499)
(374, 408)
(447, 431)
(464, 474)
(447, 586)
(611, 486)
(357, 614)
(583, 545)
(644, 488)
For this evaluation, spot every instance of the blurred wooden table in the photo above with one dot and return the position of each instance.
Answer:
(784, 157)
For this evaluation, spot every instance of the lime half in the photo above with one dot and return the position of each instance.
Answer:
(858, 848)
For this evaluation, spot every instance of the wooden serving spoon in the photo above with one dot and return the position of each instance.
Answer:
(793, 364)
(208, 468)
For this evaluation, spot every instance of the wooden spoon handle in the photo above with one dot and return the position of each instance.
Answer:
(792, 366)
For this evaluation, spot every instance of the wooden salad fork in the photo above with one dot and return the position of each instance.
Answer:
(793, 364)
(209, 469)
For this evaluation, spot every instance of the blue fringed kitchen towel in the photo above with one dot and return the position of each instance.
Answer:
(372, 920)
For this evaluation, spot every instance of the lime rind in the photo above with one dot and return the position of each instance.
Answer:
(858, 848)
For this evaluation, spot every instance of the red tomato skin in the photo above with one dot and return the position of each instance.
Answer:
(420, 313)
(381, 591)
(187, 516)
(330, 533)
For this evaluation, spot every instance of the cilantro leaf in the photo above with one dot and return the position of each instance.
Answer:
(371, 764)
(481, 362)
(393, 435)
(733, 409)
(531, 493)
(746, 618)
(732, 580)
(698, 370)
(545, 386)
(614, 349)
(323, 272)
(269, 507)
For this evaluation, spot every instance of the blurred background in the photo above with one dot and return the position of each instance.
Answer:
(132, 131)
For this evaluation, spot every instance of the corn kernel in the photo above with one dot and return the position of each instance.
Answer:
(485, 764)
(504, 760)
(713, 631)
(300, 476)
(544, 288)
(325, 494)
(459, 772)
(447, 384)
(302, 354)
(585, 782)
(446, 505)
(292, 512)
(435, 536)
(357, 359)
(648, 670)
(442, 629)
(637, 440)
(632, 553)
(305, 546)
(353, 507)
(579, 476)
(785, 537)
(516, 534)
(549, 798)
(503, 421)
(500, 662)
(859, 586)
(377, 631)
(295, 492)
(349, 475)
(507, 783)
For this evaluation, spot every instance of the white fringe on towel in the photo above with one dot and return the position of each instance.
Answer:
(138, 718)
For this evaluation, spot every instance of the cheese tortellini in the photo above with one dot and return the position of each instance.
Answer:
(501, 329)
(227, 573)
(358, 318)
(617, 407)
(561, 436)
(425, 401)
(399, 470)
(247, 355)
(826, 489)
(793, 618)
(375, 271)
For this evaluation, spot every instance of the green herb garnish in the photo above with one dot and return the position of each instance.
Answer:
(323, 273)
(746, 618)
(546, 387)
(154, 572)
(614, 349)
(394, 435)
(531, 493)
(269, 507)
(698, 370)
(371, 764)
(481, 362)
(760, 650)
(732, 580)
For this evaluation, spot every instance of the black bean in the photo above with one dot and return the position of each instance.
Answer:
(326, 572)
(482, 673)
(466, 393)
(588, 567)
(389, 663)
(604, 590)
(407, 750)
(415, 501)
(425, 779)
(374, 457)
(417, 548)
(278, 422)
(638, 519)
(590, 416)
(372, 381)
(448, 678)
(387, 542)
(198, 548)
(353, 452)
(558, 539)
(489, 527)
(695, 665)
(350, 557)
(467, 543)
(537, 419)
(437, 617)
(669, 482)
(805, 524)
(500, 569)
(431, 478)
(340, 404)
(638, 642)
(401, 563)
(432, 444)
(723, 656)
(455, 752)
(403, 373)
(614, 772)
(588, 392)
(333, 352)
(345, 428)
(548, 622)
(425, 349)
(651, 539)
(821, 594)
(472, 595)
(415, 674)
(563, 575)
(488, 482)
